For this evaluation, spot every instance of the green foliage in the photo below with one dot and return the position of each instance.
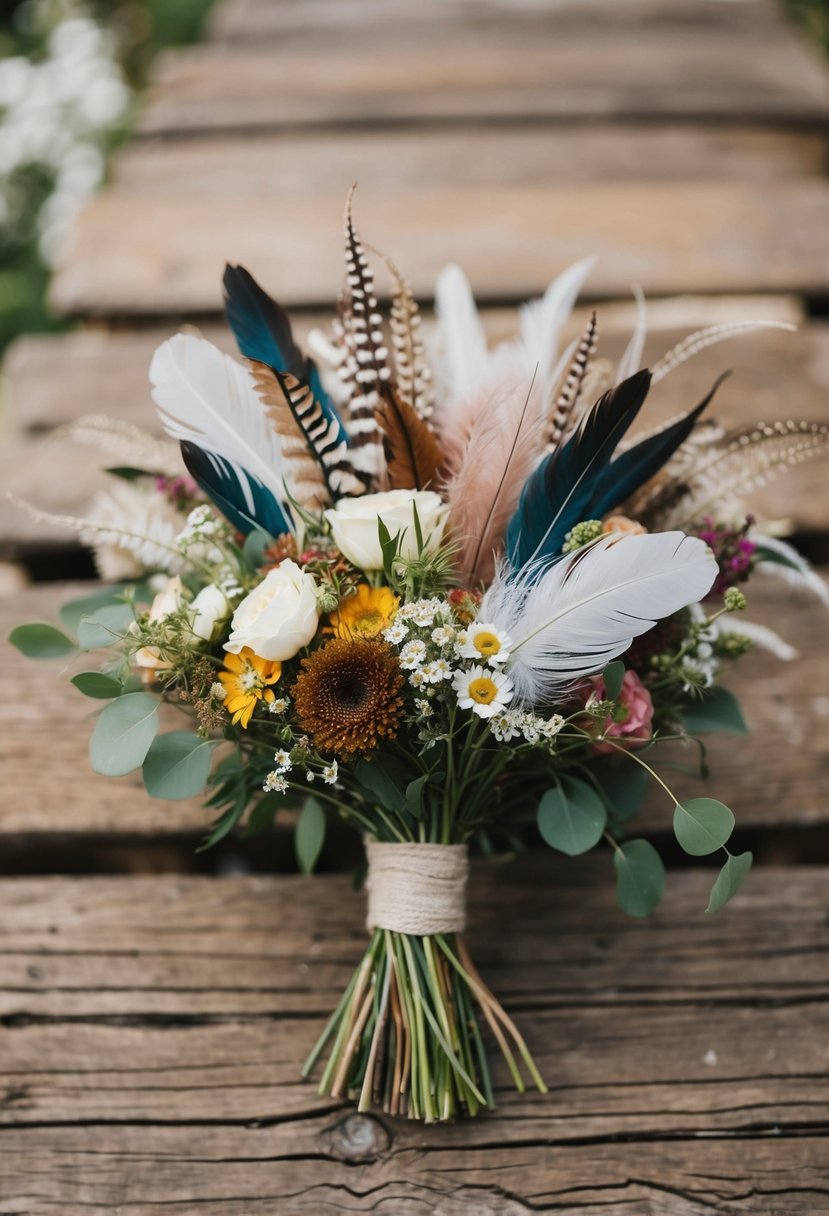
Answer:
(613, 675)
(309, 835)
(253, 550)
(177, 765)
(729, 880)
(41, 641)
(571, 816)
(624, 787)
(640, 877)
(123, 734)
(385, 779)
(718, 710)
(702, 825)
(104, 627)
(73, 611)
(97, 685)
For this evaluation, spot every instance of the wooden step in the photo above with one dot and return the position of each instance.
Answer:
(504, 70)
(168, 1018)
(776, 777)
(130, 259)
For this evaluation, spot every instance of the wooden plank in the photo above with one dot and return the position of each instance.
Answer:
(503, 70)
(697, 1049)
(768, 784)
(127, 258)
(414, 158)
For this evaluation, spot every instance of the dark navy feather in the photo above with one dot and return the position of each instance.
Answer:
(263, 332)
(558, 493)
(220, 482)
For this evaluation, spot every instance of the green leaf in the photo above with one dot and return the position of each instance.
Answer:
(96, 684)
(702, 825)
(571, 816)
(624, 785)
(177, 765)
(41, 641)
(613, 675)
(123, 734)
(729, 880)
(263, 814)
(128, 473)
(719, 710)
(73, 612)
(225, 823)
(640, 877)
(309, 835)
(414, 794)
(385, 779)
(256, 543)
(103, 627)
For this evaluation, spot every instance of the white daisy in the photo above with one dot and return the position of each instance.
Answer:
(444, 635)
(486, 643)
(329, 773)
(278, 705)
(412, 655)
(482, 690)
(395, 633)
(282, 760)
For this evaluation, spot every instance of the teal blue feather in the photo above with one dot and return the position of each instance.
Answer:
(256, 510)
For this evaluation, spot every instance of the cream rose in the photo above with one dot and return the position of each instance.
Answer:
(167, 601)
(279, 616)
(210, 608)
(354, 524)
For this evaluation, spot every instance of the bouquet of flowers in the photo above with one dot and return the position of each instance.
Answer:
(440, 595)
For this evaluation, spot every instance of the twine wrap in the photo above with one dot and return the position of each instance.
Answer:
(417, 889)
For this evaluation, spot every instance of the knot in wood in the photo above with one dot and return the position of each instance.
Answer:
(357, 1138)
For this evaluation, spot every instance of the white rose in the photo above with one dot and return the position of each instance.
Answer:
(165, 602)
(210, 609)
(354, 524)
(279, 616)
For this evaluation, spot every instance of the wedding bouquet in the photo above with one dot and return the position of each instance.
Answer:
(440, 595)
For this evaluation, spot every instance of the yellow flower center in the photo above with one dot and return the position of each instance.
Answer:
(249, 679)
(487, 643)
(369, 622)
(483, 690)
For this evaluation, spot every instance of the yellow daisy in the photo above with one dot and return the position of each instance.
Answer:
(365, 614)
(246, 683)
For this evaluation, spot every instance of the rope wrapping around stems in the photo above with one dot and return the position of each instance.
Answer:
(417, 889)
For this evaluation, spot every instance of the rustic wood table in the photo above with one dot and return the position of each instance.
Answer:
(156, 1005)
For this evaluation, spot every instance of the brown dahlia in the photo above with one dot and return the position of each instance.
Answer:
(347, 696)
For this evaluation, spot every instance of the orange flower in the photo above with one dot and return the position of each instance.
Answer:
(246, 683)
(621, 523)
(366, 613)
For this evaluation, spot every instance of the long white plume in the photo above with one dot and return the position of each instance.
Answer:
(543, 320)
(587, 609)
(631, 360)
(462, 339)
(796, 571)
(206, 398)
(765, 638)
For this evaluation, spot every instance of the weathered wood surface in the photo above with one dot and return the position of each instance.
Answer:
(778, 776)
(524, 70)
(154, 1029)
(129, 259)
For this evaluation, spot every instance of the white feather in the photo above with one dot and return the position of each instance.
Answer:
(764, 637)
(543, 320)
(206, 398)
(587, 609)
(631, 360)
(798, 573)
(461, 333)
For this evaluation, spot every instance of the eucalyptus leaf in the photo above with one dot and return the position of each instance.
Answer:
(309, 834)
(718, 710)
(103, 628)
(571, 816)
(729, 880)
(177, 765)
(73, 611)
(253, 550)
(613, 675)
(702, 825)
(97, 685)
(640, 877)
(414, 794)
(41, 641)
(123, 734)
(386, 779)
(624, 785)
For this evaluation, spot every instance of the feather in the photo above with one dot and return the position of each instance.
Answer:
(413, 376)
(365, 367)
(313, 443)
(461, 334)
(586, 609)
(413, 452)
(484, 491)
(763, 637)
(542, 322)
(703, 338)
(568, 394)
(631, 360)
(783, 561)
(129, 445)
(558, 493)
(209, 402)
(747, 458)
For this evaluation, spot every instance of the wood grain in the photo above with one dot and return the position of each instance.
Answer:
(501, 70)
(776, 777)
(153, 1031)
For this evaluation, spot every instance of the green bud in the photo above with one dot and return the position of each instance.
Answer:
(734, 601)
(582, 534)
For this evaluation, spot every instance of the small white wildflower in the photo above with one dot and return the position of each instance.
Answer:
(441, 670)
(484, 691)
(503, 727)
(552, 726)
(423, 707)
(309, 777)
(329, 773)
(405, 612)
(485, 643)
(423, 611)
(218, 691)
(278, 705)
(417, 679)
(200, 523)
(395, 633)
(444, 635)
(276, 783)
(412, 655)
(282, 760)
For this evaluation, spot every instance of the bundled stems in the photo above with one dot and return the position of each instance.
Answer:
(406, 1038)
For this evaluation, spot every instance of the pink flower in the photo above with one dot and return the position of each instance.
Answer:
(634, 706)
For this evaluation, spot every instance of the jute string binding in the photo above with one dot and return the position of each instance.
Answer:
(417, 889)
